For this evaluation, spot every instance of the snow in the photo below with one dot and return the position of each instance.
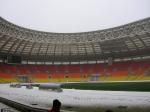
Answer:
(80, 98)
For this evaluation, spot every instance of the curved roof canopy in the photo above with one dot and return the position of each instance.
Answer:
(126, 41)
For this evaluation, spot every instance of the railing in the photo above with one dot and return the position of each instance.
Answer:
(6, 110)
(20, 107)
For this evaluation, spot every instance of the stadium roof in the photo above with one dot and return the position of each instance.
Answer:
(126, 41)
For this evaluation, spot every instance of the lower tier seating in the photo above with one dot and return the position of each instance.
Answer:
(118, 71)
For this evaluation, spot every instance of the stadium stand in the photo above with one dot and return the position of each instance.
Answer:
(28, 55)
(118, 71)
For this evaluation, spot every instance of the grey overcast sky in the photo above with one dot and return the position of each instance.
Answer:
(66, 16)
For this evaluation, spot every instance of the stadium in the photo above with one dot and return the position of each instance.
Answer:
(90, 71)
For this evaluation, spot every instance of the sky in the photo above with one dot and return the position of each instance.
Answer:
(71, 16)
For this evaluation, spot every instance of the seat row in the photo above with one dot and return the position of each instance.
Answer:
(130, 70)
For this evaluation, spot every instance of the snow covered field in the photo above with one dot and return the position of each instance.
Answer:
(72, 99)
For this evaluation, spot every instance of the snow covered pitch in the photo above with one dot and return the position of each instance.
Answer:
(80, 100)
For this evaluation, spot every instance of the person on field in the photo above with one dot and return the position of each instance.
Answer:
(56, 106)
